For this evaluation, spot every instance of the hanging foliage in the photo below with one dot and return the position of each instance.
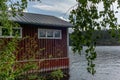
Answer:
(9, 8)
(86, 19)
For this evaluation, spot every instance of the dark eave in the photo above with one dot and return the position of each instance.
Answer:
(40, 19)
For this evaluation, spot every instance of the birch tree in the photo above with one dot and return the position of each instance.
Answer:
(86, 19)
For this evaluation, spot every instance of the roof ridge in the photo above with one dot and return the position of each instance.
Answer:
(45, 15)
(38, 14)
(41, 19)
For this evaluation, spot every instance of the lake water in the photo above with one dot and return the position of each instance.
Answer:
(107, 64)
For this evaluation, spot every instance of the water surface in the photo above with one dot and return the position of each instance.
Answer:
(107, 64)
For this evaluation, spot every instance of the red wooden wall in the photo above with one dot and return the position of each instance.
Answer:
(54, 50)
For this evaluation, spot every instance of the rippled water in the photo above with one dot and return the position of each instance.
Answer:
(107, 64)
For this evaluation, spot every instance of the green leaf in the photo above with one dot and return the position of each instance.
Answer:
(82, 1)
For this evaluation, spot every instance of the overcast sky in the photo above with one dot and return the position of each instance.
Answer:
(58, 8)
(51, 7)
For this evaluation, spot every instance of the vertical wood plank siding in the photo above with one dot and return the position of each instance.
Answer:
(54, 50)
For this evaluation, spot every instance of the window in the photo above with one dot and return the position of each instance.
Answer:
(49, 34)
(16, 32)
(5, 33)
(57, 33)
(42, 33)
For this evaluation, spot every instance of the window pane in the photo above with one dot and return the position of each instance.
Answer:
(16, 32)
(5, 32)
(57, 34)
(50, 33)
(42, 33)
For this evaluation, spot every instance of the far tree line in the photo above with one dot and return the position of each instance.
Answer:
(103, 38)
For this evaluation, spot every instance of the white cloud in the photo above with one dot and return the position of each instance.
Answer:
(55, 5)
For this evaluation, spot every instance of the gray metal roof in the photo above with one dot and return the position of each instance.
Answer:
(40, 19)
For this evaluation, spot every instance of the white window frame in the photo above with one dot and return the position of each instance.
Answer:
(46, 34)
(11, 36)
(60, 34)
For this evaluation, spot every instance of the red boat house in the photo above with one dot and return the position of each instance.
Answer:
(51, 35)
